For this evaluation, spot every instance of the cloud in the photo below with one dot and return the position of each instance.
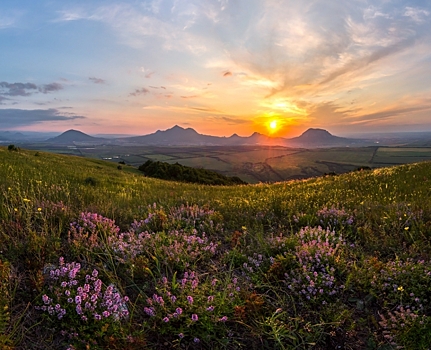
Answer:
(416, 14)
(47, 88)
(138, 92)
(361, 61)
(97, 80)
(26, 89)
(6, 22)
(11, 118)
(71, 15)
(229, 120)
(227, 74)
(138, 28)
(205, 109)
(387, 114)
(305, 49)
(191, 96)
(3, 99)
(17, 89)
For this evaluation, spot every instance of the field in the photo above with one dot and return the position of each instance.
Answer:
(93, 256)
(255, 164)
(401, 155)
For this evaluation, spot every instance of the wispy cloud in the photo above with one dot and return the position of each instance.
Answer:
(71, 15)
(229, 120)
(137, 27)
(97, 80)
(138, 92)
(17, 89)
(26, 89)
(184, 110)
(388, 114)
(3, 99)
(322, 43)
(416, 14)
(47, 88)
(12, 118)
(203, 109)
(6, 22)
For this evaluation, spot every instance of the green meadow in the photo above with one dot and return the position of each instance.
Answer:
(96, 256)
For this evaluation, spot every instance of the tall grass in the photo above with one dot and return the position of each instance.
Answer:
(338, 261)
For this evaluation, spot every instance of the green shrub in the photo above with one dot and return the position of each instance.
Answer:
(13, 148)
(178, 172)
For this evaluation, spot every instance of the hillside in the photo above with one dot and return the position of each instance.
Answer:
(312, 138)
(71, 136)
(176, 264)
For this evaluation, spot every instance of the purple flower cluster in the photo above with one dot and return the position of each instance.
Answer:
(89, 228)
(407, 282)
(128, 245)
(84, 297)
(334, 218)
(254, 263)
(397, 321)
(192, 216)
(179, 248)
(314, 279)
(190, 308)
(94, 231)
(182, 218)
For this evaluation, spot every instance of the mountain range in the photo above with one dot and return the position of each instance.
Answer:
(179, 136)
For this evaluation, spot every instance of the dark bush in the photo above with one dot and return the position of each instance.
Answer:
(178, 172)
(91, 181)
(12, 148)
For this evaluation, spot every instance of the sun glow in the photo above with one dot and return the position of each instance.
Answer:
(273, 126)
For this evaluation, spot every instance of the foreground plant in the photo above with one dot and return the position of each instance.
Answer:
(194, 309)
(80, 306)
(95, 235)
(404, 328)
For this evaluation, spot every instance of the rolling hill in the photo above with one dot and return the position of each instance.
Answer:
(70, 137)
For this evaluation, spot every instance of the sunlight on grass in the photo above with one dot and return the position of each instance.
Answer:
(92, 256)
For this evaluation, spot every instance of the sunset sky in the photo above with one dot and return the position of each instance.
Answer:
(219, 66)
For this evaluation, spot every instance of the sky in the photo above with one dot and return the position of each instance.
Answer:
(277, 67)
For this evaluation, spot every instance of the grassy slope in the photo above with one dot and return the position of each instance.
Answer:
(40, 194)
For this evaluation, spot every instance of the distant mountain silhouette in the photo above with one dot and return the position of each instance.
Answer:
(72, 136)
(179, 136)
(175, 136)
(190, 137)
(11, 136)
(312, 138)
(319, 138)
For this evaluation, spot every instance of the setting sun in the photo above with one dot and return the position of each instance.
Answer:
(273, 125)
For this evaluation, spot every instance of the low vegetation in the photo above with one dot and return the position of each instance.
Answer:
(93, 257)
(178, 172)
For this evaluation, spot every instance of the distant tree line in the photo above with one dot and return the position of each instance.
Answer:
(178, 172)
